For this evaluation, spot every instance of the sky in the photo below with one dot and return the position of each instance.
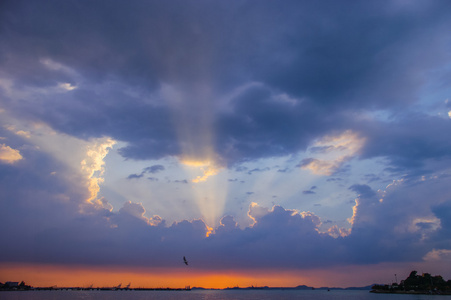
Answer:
(270, 143)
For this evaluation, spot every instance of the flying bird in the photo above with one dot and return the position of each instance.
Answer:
(185, 261)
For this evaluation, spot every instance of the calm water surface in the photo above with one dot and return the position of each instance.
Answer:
(209, 295)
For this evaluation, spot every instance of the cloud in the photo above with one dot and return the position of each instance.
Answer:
(438, 255)
(137, 211)
(258, 170)
(181, 181)
(401, 218)
(408, 142)
(308, 192)
(210, 171)
(338, 150)
(9, 155)
(319, 167)
(135, 176)
(363, 190)
(93, 165)
(208, 168)
(134, 209)
(262, 111)
(291, 239)
(154, 169)
(227, 223)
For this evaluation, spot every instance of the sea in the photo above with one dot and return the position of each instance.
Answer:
(211, 295)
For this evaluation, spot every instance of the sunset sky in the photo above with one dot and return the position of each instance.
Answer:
(270, 142)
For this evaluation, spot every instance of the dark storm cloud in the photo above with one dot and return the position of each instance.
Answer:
(314, 63)
(333, 62)
(261, 125)
(410, 141)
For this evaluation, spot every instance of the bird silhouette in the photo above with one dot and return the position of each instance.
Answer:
(185, 261)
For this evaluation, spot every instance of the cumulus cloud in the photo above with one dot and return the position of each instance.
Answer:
(133, 209)
(93, 166)
(279, 237)
(9, 155)
(401, 217)
(400, 227)
(438, 255)
(136, 210)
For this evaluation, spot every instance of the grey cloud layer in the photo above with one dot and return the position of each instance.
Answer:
(332, 61)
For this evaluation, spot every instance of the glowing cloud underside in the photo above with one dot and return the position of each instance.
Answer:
(333, 151)
(9, 155)
(207, 168)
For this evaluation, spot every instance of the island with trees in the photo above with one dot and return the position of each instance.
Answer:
(416, 284)
(14, 286)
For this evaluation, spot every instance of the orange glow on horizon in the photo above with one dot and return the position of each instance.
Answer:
(77, 276)
(41, 275)
(84, 276)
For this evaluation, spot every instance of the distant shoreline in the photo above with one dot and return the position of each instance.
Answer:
(445, 293)
(38, 289)
(298, 288)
